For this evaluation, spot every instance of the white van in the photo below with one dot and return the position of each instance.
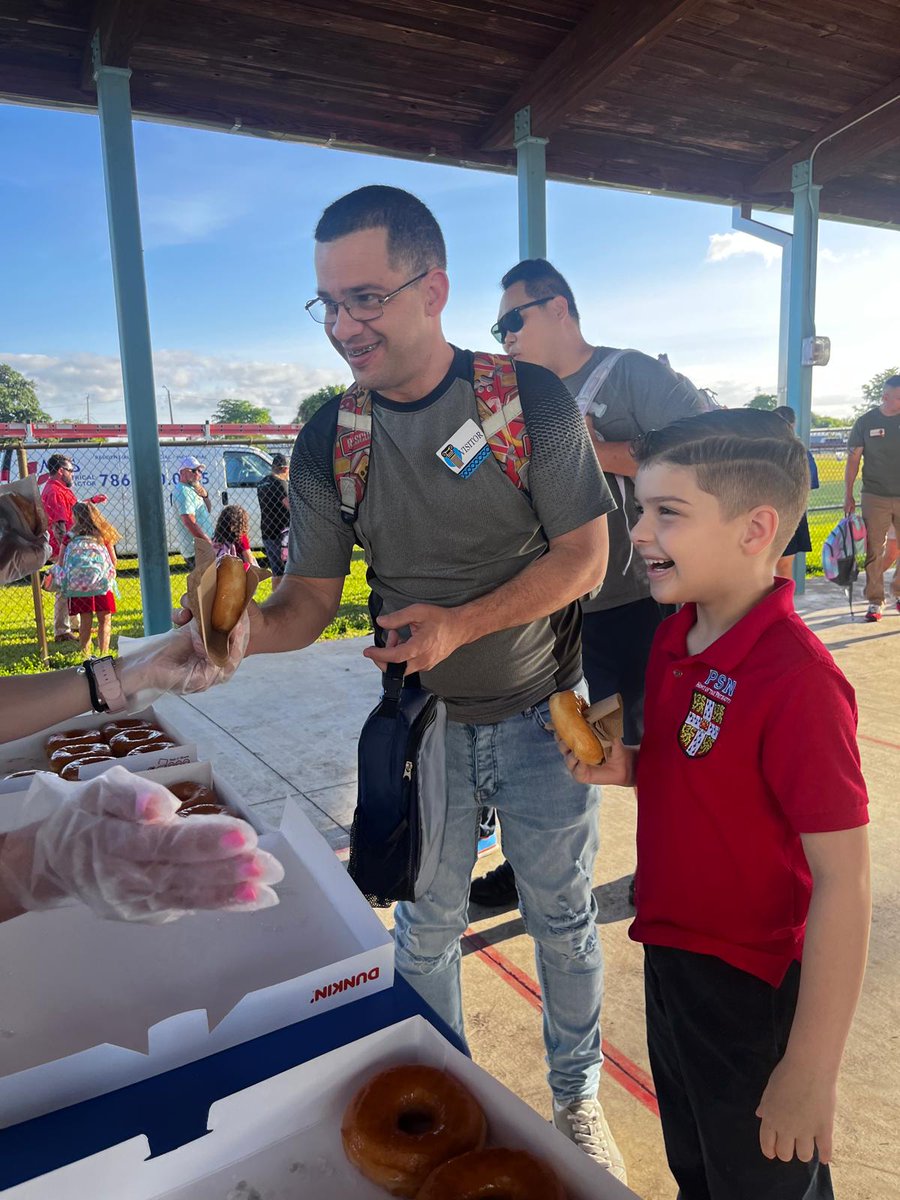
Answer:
(233, 473)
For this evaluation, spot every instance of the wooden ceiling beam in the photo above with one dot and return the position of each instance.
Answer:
(872, 136)
(609, 38)
(119, 24)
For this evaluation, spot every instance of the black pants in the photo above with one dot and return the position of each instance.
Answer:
(615, 647)
(715, 1034)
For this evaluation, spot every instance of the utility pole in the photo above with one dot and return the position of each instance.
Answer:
(87, 401)
(169, 394)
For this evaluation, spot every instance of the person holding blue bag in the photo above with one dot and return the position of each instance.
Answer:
(87, 574)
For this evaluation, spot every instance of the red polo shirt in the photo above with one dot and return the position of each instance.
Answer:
(746, 746)
(58, 500)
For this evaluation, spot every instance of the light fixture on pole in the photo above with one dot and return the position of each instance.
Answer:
(169, 394)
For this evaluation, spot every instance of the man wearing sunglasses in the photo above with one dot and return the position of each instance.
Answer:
(622, 394)
(475, 587)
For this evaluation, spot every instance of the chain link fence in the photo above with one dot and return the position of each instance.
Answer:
(232, 472)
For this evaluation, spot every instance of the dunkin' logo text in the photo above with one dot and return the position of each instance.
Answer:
(344, 985)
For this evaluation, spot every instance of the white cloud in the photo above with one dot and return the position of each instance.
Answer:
(723, 246)
(197, 383)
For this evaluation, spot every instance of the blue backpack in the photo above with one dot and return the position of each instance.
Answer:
(842, 552)
(87, 569)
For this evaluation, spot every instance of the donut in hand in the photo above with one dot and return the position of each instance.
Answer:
(567, 711)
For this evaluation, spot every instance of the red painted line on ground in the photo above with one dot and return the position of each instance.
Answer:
(864, 737)
(616, 1064)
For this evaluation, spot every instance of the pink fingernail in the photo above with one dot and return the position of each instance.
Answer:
(232, 840)
(147, 807)
(250, 870)
(246, 892)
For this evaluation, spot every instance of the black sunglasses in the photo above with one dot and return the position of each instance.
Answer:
(513, 321)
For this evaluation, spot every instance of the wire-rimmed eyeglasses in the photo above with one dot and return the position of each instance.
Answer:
(364, 306)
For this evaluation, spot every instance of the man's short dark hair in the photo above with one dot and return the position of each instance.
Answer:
(279, 462)
(743, 456)
(414, 238)
(892, 382)
(55, 461)
(541, 280)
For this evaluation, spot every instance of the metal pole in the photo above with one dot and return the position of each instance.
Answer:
(123, 211)
(742, 220)
(169, 394)
(36, 594)
(531, 169)
(802, 320)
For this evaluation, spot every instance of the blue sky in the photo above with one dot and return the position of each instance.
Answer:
(227, 225)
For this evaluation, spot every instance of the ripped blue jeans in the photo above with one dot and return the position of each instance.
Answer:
(550, 835)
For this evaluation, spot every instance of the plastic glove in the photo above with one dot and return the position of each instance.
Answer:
(115, 844)
(175, 662)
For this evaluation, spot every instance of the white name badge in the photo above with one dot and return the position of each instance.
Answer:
(876, 433)
(466, 450)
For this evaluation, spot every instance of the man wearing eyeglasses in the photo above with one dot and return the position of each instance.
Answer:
(622, 395)
(475, 587)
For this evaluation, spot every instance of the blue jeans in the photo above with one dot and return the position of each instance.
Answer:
(550, 835)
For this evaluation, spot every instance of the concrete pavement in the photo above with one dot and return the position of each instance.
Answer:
(287, 725)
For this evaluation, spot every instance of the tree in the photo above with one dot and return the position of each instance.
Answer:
(314, 401)
(764, 401)
(820, 422)
(241, 412)
(18, 399)
(873, 389)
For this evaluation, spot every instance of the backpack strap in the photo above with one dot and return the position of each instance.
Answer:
(352, 443)
(500, 413)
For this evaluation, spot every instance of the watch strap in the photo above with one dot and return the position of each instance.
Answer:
(102, 672)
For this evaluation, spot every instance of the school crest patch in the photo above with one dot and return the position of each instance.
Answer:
(702, 726)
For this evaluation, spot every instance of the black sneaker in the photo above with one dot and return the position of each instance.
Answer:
(496, 889)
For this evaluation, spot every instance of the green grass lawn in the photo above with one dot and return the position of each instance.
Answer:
(18, 639)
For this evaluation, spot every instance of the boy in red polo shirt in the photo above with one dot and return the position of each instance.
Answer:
(752, 812)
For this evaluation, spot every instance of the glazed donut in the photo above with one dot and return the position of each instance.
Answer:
(19, 774)
(72, 737)
(65, 754)
(123, 743)
(567, 711)
(197, 800)
(491, 1174)
(405, 1122)
(71, 769)
(111, 728)
(231, 592)
(148, 747)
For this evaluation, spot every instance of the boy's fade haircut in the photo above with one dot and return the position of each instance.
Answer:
(541, 281)
(743, 456)
(893, 381)
(414, 238)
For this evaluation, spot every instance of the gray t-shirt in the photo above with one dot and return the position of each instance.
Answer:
(639, 394)
(432, 536)
(879, 437)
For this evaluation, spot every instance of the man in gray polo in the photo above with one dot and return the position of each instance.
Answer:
(875, 441)
(622, 394)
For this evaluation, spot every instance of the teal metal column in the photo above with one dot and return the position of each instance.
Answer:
(531, 169)
(802, 318)
(114, 103)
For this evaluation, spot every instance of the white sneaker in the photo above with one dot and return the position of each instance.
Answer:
(583, 1123)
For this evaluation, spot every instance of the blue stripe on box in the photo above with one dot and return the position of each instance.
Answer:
(476, 462)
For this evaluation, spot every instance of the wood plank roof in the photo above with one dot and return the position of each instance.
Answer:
(705, 98)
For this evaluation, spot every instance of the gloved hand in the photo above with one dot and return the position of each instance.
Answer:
(175, 662)
(115, 844)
